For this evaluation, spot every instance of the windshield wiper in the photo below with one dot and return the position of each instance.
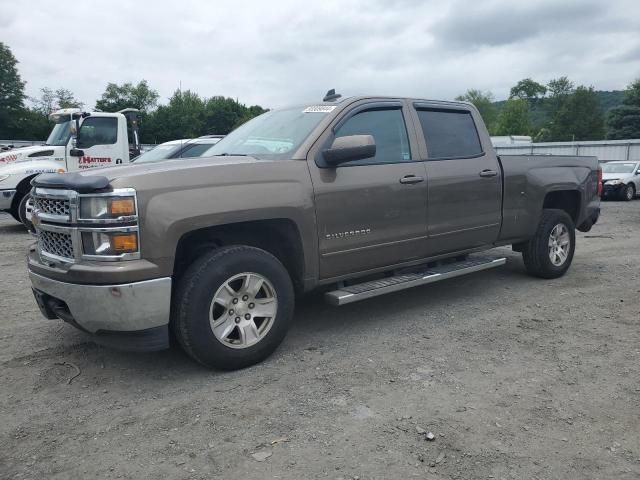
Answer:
(231, 155)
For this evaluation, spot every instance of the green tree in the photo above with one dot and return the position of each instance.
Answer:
(52, 100)
(580, 117)
(514, 118)
(528, 89)
(117, 97)
(624, 121)
(559, 90)
(483, 101)
(183, 117)
(11, 93)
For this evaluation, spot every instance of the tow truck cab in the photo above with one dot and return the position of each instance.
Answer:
(78, 141)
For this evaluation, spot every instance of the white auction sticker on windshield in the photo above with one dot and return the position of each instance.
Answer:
(319, 109)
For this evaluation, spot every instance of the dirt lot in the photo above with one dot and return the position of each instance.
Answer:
(516, 378)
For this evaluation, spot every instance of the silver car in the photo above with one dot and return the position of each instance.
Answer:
(621, 180)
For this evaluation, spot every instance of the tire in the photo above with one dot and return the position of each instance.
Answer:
(25, 207)
(628, 193)
(537, 254)
(196, 307)
(14, 213)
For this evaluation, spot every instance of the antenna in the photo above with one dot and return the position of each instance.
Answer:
(331, 96)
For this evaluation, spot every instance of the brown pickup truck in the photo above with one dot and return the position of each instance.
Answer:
(361, 196)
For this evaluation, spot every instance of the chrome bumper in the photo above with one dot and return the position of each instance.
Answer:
(6, 198)
(95, 308)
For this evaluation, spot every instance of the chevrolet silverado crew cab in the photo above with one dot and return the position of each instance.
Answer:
(360, 196)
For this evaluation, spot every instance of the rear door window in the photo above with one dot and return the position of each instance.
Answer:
(449, 134)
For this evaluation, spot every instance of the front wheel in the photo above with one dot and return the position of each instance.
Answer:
(232, 307)
(550, 252)
(628, 192)
(25, 212)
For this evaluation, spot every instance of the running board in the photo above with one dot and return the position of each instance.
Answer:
(355, 293)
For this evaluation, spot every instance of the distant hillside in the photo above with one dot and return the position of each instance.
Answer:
(538, 115)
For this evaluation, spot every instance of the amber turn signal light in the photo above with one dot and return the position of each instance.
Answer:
(125, 206)
(124, 243)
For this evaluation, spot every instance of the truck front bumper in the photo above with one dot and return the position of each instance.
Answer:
(6, 199)
(131, 316)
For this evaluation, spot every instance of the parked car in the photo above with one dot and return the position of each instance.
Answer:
(621, 180)
(185, 148)
(363, 196)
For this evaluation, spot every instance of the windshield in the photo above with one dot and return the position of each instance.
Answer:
(195, 150)
(275, 134)
(60, 134)
(618, 167)
(161, 152)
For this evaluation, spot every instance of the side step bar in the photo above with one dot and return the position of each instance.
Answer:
(355, 293)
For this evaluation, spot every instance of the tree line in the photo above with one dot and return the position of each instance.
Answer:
(558, 111)
(555, 111)
(185, 115)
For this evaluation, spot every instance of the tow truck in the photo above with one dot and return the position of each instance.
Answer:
(78, 141)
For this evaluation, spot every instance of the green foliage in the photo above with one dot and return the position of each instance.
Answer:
(527, 89)
(483, 101)
(514, 118)
(117, 97)
(580, 117)
(187, 115)
(11, 93)
(52, 100)
(624, 121)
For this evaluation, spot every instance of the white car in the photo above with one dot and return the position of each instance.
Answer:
(621, 180)
(185, 148)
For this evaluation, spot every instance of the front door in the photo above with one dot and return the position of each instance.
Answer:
(98, 141)
(370, 213)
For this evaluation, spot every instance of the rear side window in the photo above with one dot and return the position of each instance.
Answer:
(449, 133)
(388, 130)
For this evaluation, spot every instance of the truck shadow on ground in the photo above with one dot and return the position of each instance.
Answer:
(316, 324)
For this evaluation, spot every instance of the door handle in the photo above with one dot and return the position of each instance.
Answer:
(488, 173)
(411, 179)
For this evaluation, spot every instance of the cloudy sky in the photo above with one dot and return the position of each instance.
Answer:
(282, 51)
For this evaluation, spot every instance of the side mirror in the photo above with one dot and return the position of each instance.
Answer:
(352, 147)
(638, 172)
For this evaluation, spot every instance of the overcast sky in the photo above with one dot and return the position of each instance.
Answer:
(278, 52)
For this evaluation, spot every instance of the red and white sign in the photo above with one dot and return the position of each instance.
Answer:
(90, 162)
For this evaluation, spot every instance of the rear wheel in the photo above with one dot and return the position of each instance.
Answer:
(628, 192)
(550, 252)
(232, 307)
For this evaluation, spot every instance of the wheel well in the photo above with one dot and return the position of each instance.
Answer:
(23, 187)
(567, 200)
(280, 237)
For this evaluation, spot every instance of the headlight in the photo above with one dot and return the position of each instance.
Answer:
(4, 177)
(98, 208)
(613, 182)
(109, 243)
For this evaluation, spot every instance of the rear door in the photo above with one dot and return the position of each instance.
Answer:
(370, 213)
(463, 179)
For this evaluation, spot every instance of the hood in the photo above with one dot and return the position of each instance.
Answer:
(22, 154)
(615, 176)
(161, 167)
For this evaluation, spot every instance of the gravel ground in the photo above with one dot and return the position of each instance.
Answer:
(516, 377)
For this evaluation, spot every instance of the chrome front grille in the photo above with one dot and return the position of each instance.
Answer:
(56, 243)
(52, 206)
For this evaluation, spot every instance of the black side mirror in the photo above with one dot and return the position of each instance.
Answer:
(352, 147)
